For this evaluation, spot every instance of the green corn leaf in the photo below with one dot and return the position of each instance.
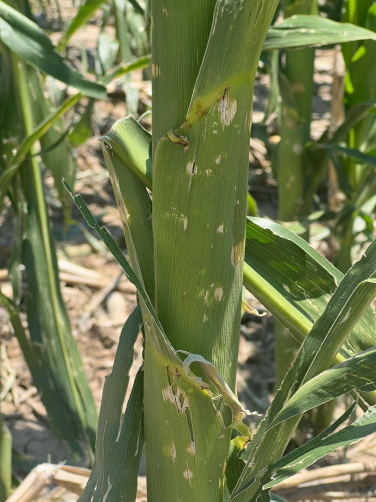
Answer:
(9, 173)
(320, 446)
(51, 345)
(276, 498)
(358, 372)
(353, 117)
(354, 154)
(55, 150)
(360, 82)
(83, 130)
(137, 7)
(309, 31)
(346, 306)
(84, 14)
(125, 68)
(155, 328)
(295, 282)
(107, 51)
(29, 42)
(119, 442)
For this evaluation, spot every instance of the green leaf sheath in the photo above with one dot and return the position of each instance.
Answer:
(179, 37)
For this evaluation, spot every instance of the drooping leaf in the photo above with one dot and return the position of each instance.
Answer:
(84, 14)
(309, 31)
(9, 173)
(320, 446)
(358, 372)
(29, 42)
(351, 298)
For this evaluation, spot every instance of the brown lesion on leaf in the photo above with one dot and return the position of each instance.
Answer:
(155, 70)
(188, 474)
(192, 449)
(173, 452)
(237, 253)
(173, 393)
(227, 108)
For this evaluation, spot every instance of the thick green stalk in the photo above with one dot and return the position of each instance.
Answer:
(296, 87)
(199, 206)
(295, 119)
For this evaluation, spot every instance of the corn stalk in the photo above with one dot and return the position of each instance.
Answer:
(296, 91)
(198, 228)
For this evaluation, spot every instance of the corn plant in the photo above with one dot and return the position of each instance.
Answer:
(191, 249)
(296, 159)
(350, 147)
(357, 171)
